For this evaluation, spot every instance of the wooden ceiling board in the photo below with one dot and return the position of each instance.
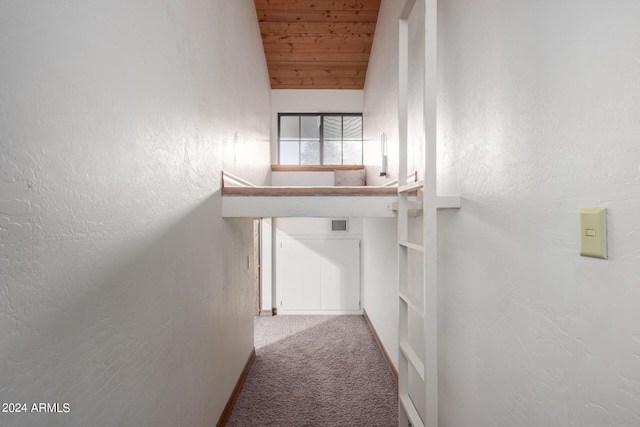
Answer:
(347, 16)
(317, 44)
(360, 38)
(341, 81)
(317, 48)
(318, 4)
(316, 85)
(317, 73)
(310, 66)
(307, 28)
(297, 57)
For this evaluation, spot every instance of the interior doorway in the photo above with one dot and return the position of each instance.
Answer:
(257, 232)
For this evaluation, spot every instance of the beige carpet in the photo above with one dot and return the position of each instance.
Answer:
(316, 371)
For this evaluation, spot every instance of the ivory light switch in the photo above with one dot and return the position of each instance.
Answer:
(593, 232)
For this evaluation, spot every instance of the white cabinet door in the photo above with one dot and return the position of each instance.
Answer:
(319, 275)
(340, 271)
(300, 273)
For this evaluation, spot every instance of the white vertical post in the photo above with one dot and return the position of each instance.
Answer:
(408, 414)
(430, 237)
(403, 326)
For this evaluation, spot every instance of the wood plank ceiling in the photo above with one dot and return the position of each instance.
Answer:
(317, 44)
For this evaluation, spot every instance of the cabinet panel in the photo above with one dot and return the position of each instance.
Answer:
(319, 275)
(300, 272)
(340, 271)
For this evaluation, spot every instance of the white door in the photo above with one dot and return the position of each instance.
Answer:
(317, 275)
(300, 274)
(340, 271)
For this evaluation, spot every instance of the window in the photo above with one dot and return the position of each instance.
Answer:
(319, 139)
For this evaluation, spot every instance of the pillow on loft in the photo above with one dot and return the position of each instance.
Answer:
(351, 178)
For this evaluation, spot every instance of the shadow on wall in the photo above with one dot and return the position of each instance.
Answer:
(128, 347)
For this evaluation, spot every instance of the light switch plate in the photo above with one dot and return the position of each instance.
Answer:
(593, 232)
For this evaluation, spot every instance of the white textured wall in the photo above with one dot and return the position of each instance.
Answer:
(380, 115)
(306, 178)
(380, 280)
(122, 290)
(538, 116)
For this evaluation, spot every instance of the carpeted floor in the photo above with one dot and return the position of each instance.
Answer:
(316, 371)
